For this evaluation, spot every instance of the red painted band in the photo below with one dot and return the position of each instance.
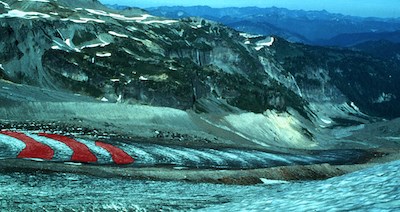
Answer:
(81, 153)
(33, 148)
(118, 155)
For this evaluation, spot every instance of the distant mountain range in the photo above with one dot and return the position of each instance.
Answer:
(351, 39)
(309, 27)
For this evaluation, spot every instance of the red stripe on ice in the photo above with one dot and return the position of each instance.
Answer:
(81, 153)
(33, 148)
(118, 155)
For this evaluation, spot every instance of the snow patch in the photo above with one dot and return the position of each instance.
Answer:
(131, 28)
(65, 45)
(124, 18)
(24, 15)
(93, 45)
(73, 163)
(196, 27)
(104, 99)
(75, 21)
(7, 6)
(86, 20)
(141, 18)
(1, 67)
(354, 106)
(103, 54)
(264, 43)
(297, 85)
(56, 47)
(160, 22)
(326, 120)
(83, 20)
(68, 42)
(118, 16)
(35, 159)
(271, 182)
(258, 48)
(172, 68)
(119, 98)
(95, 12)
(117, 34)
(143, 78)
(128, 51)
(249, 36)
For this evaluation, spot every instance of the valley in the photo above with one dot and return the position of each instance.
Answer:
(94, 99)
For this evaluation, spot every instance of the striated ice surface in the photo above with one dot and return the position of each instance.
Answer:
(373, 189)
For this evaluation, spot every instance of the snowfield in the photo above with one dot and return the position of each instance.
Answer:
(265, 43)
(24, 15)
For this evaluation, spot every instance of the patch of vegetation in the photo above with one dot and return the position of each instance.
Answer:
(85, 88)
(82, 36)
(252, 95)
(308, 81)
(8, 44)
(346, 122)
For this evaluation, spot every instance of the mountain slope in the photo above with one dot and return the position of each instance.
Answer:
(234, 80)
(137, 57)
(348, 40)
(380, 48)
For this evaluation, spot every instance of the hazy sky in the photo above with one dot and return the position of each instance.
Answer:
(376, 8)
